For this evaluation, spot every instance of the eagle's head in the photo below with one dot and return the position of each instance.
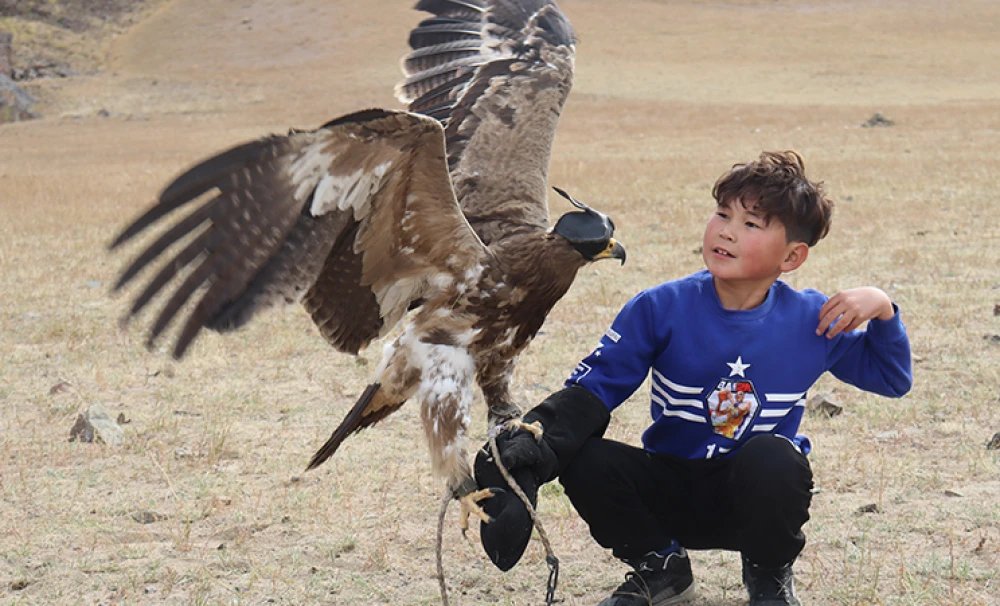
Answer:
(589, 231)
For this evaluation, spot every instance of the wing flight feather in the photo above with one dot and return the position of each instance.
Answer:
(500, 106)
(357, 219)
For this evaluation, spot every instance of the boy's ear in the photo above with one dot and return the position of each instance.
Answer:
(795, 256)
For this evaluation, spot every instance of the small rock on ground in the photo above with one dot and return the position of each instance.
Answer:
(95, 425)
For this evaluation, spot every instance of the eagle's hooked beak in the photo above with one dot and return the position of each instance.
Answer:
(614, 250)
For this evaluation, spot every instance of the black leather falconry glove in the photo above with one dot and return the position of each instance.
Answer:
(568, 418)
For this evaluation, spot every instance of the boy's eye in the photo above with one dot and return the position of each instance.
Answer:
(752, 224)
(722, 214)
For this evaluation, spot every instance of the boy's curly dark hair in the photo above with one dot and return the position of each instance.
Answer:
(775, 184)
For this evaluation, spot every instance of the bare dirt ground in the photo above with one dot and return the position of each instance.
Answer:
(205, 502)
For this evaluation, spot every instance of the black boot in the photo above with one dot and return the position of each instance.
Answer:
(770, 586)
(658, 580)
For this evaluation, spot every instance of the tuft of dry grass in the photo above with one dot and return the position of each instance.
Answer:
(207, 502)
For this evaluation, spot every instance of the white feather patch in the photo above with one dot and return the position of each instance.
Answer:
(307, 169)
(348, 192)
(473, 273)
(442, 281)
(445, 392)
(387, 351)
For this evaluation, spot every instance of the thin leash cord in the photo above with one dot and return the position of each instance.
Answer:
(438, 547)
(550, 557)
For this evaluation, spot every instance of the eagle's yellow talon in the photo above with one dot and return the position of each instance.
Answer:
(470, 506)
(534, 428)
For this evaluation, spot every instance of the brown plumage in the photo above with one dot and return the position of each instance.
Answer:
(438, 213)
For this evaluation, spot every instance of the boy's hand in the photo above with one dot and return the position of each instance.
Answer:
(519, 448)
(568, 418)
(851, 308)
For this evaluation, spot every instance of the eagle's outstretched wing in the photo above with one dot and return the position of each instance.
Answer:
(357, 219)
(497, 73)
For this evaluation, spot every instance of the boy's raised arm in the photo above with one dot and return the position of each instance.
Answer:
(848, 309)
(877, 359)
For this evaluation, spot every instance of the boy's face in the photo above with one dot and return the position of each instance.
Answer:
(741, 246)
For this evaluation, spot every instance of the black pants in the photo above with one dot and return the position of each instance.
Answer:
(634, 501)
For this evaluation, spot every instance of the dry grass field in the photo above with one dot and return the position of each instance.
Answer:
(206, 502)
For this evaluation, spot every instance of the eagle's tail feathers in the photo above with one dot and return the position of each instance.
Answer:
(370, 408)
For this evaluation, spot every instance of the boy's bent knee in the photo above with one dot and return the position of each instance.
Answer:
(772, 460)
(770, 449)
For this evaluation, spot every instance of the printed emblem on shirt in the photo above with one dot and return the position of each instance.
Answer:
(582, 369)
(732, 406)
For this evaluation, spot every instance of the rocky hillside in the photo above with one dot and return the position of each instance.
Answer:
(55, 39)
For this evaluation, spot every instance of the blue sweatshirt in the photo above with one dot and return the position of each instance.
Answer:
(720, 376)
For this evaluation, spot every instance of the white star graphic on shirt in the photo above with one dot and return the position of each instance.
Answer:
(737, 367)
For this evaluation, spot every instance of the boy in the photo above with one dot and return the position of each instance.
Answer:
(733, 351)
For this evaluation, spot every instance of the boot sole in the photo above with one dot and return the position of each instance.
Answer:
(684, 596)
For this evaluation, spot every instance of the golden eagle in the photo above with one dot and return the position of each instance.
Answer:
(438, 213)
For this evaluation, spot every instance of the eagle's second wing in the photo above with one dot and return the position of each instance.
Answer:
(357, 219)
(497, 73)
